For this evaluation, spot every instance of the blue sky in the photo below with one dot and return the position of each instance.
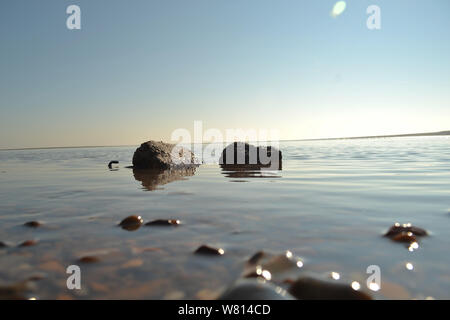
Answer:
(138, 70)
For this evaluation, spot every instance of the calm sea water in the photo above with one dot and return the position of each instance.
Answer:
(329, 205)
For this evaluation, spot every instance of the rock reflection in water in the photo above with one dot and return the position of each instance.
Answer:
(248, 171)
(151, 179)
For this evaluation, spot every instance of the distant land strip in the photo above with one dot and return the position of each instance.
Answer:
(425, 134)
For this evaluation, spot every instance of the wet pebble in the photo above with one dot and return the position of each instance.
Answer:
(256, 257)
(37, 277)
(207, 250)
(397, 229)
(17, 291)
(89, 259)
(255, 290)
(28, 243)
(313, 289)
(162, 222)
(32, 224)
(131, 223)
(272, 267)
(406, 237)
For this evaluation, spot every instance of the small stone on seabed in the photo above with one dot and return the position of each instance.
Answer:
(313, 289)
(36, 277)
(32, 224)
(17, 291)
(3, 245)
(131, 223)
(28, 243)
(398, 229)
(209, 250)
(255, 290)
(161, 222)
(89, 259)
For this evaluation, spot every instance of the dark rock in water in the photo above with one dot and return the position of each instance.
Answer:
(36, 277)
(32, 224)
(161, 222)
(111, 163)
(406, 237)
(28, 243)
(162, 156)
(89, 259)
(255, 290)
(312, 289)
(131, 223)
(397, 229)
(273, 267)
(207, 250)
(244, 155)
(3, 245)
(17, 291)
(256, 257)
(152, 178)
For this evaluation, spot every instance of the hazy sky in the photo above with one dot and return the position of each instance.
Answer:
(138, 70)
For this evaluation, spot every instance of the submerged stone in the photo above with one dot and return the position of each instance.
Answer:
(307, 288)
(131, 223)
(32, 224)
(162, 222)
(162, 156)
(17, 291)
(28, 243)
(3, 245)
(89, 259)
(207, 250)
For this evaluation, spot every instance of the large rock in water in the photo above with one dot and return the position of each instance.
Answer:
(243, 155)
(162, 156)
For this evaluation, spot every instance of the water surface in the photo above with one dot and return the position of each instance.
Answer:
(329, 205)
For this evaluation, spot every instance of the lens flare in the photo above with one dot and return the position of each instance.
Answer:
(338, 8)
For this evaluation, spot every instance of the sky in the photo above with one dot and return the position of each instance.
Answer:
(138, 70)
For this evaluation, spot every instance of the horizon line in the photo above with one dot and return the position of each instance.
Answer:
(437, 133)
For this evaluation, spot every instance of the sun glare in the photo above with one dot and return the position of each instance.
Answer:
(338, 8)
